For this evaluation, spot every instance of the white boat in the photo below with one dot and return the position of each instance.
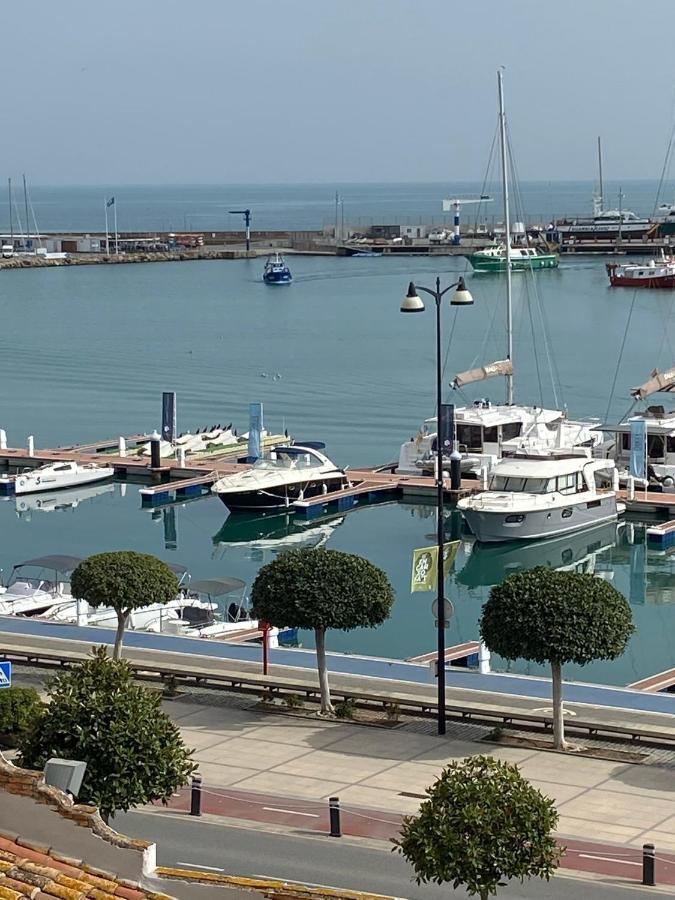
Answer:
(54, 476)
(289, 473)
(38, 585)
(530, 498)
(484, 431)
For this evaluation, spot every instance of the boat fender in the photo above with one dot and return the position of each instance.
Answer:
(22, 481)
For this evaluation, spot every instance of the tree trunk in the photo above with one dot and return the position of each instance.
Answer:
(558, 717)
(320, 640)
(122, 616)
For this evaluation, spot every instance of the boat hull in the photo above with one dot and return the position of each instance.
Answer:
(498, 264)
(280, 496)
(29, 484)
(665, 281)
(492, 526)
(275, 278)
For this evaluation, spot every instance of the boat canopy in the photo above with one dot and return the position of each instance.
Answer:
(56, 562)
(176, 568)
(500, 367)
(653, 427)
(217, 587)
(659, 381)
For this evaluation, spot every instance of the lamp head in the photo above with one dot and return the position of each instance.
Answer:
(411, 302)
(461, 297)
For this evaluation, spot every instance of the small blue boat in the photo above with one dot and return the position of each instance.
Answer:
(276, 271)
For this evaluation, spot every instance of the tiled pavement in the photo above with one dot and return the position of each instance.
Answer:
(380, 768)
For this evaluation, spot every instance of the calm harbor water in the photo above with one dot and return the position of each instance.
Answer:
(86, 352)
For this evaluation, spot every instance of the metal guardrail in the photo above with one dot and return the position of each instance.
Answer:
(271, 686)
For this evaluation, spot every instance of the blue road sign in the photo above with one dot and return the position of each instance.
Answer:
(5, 674)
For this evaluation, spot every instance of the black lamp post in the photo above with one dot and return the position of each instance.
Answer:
(413, 303)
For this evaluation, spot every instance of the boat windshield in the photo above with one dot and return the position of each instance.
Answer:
(286, 461)
(522, 485)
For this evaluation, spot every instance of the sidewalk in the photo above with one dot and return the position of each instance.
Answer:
(281, 769)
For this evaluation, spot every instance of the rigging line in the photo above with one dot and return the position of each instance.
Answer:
(486, 337)
(447, 349)
(666, 165)
(618, 361)
(554, 374)
(536, 355)
(486, 175)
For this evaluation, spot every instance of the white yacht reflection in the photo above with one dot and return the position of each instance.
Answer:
(69, 498)
(490, 564)
(277, 532)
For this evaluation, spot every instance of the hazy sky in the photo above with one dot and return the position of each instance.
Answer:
(136, 91)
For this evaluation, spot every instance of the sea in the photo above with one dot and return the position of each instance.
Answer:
(86, 352)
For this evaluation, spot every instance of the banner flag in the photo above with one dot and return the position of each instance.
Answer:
(424, 575)
(638, 448)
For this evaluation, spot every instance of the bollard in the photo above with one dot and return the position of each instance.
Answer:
(3, 439)
(31, 445)
(334, 812)
(649, 864)
(155, 455)
(181, 457)
(455, 470)
(196, 796)
(630, 488)
(484, 477)
(121, 447)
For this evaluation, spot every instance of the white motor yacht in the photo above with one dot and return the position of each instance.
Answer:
(530, 498)
(289, 473)
(486, 432)
(54, 476)
(37, 586)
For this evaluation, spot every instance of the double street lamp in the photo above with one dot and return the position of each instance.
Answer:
(413, 303)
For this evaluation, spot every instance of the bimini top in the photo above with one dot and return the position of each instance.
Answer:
(217, 587)
(541, 466)
(176, 568)
(56, 562)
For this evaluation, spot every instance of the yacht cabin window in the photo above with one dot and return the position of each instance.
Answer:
(511, 430)
(573, 483)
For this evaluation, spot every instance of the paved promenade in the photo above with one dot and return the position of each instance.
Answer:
(281, 769)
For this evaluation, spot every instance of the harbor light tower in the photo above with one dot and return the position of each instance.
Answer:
(455, 206)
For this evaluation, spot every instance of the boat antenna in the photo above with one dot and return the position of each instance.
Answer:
(11, 220)
(507, 232)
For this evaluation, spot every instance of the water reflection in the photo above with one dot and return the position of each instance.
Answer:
(258, 534)
(55, 501)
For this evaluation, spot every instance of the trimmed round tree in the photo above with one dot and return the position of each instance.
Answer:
(123, 580)
(98, 714)
(318, 590)
(483, 824)
(556, 617)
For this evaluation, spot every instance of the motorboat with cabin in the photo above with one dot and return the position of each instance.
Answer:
(655, 273)
(530, 498)
(660, 429)
(288, 473)
(486, 432)
(38, 585)
(496, 258)
(55, 476)
(276, 271)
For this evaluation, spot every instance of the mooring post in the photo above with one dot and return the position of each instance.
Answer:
(31, 445)
(334, 813)
(196, 796)
(181, 457)
(121, 446)
(3, 439)
(630, 493)
(649, 864)
(155, 455)
(455, 470)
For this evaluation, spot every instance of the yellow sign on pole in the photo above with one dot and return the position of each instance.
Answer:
(425, 566)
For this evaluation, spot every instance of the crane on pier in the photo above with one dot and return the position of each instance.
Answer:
(455, 206)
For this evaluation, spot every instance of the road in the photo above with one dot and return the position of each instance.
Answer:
(198, 843)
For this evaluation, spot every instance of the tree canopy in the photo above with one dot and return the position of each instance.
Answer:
(124, 581)
(551, 616)
(482, 824)
(322, 589)
(97, 714)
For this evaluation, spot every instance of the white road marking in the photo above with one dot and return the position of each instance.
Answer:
(290, 812)
(623, 862)
(197, 866)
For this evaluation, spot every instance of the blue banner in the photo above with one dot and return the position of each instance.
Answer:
(638, 448)
(255, 427)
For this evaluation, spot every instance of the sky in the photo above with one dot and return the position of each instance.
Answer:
(227, 91)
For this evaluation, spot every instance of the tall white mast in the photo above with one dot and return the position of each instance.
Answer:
(507, 233)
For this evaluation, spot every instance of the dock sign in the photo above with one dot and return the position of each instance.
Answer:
(5, 674)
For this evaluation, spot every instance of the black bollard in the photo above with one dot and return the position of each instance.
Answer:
(196, 796)
(334, 812)
(154, 452)
(455, 470)
(649, 864)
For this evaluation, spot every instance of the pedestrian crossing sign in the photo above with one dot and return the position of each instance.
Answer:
(5, 674)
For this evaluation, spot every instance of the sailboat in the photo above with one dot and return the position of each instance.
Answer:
(484, 432)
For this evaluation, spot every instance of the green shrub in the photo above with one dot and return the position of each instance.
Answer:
(293, 701)
(20, 707)
(345, 709)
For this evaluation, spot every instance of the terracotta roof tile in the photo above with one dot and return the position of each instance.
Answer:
(129, 893)
(59, 890)
(7, 894)
(100, 895)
